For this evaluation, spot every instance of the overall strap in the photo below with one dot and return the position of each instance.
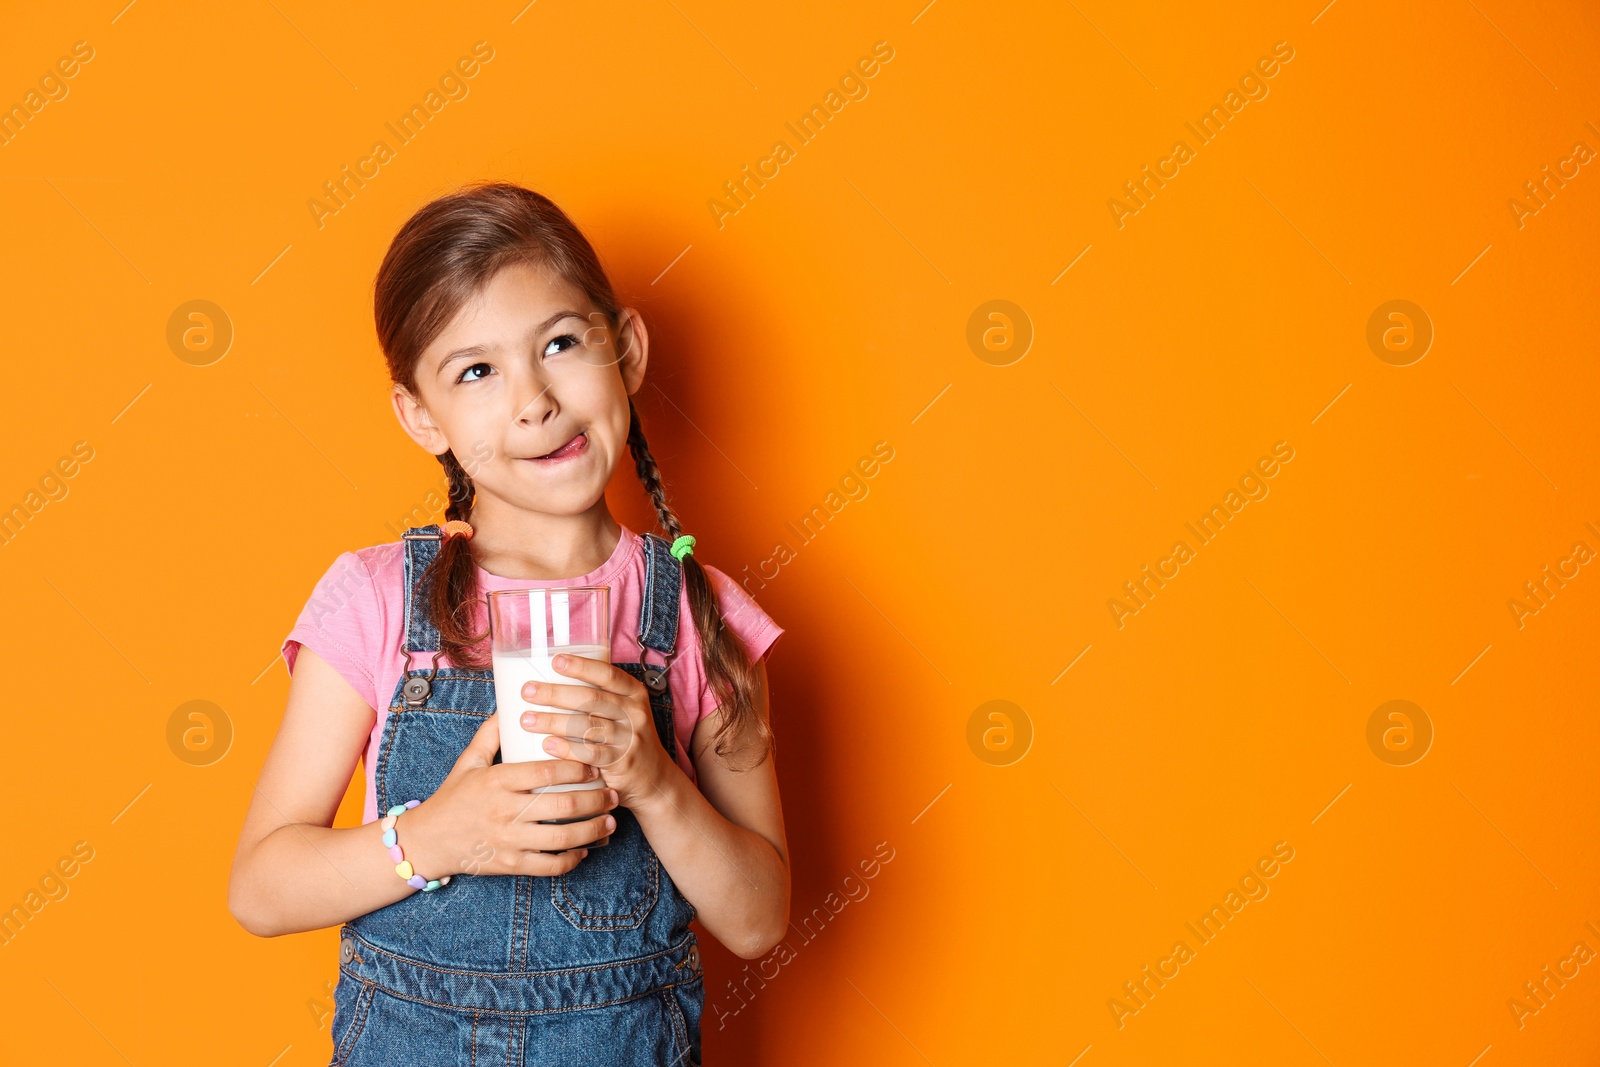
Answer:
(658, 607)
(421, 545)
(658, 629)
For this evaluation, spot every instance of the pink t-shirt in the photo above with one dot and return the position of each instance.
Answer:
(355, 619)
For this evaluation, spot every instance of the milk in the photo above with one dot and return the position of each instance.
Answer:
(512, 669)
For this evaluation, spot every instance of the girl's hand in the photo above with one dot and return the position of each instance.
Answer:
(613, 719)
(485, 816)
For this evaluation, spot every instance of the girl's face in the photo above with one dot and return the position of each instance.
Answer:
(525, 367)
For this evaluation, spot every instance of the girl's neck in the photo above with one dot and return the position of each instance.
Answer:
(510, 542)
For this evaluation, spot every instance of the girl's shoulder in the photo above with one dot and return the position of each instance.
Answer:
(382, 561)
(360, 576)
(754, 629)
(742, 614)
(353, 616)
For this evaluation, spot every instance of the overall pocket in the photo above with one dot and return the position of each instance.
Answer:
(687, 1001)
(614, 886)
(352, 1001)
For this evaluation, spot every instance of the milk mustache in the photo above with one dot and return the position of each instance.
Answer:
(513, 669)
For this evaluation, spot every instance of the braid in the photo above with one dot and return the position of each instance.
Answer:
(649, 474)
(461, 489)
(731, 675)
(452, 578)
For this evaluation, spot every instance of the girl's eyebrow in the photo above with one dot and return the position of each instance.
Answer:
(483, 349)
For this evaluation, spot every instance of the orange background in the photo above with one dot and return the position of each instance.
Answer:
(829, 313)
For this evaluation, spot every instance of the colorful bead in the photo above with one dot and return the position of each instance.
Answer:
(403, 866)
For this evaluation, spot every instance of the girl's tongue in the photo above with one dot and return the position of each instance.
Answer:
(567, 449)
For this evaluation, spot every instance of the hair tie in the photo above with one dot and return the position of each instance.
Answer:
(457, 526)
(683, 546)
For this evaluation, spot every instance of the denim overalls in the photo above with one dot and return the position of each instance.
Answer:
(596, 966)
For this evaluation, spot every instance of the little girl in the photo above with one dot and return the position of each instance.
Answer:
(473, 929)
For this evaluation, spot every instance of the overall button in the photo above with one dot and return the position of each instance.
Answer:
(347, 949)
(694, 957)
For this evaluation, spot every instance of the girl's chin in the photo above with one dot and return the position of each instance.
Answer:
(550, 494)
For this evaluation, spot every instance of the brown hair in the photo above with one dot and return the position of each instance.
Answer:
(444, 254)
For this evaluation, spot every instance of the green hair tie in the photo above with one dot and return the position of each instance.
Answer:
(683, 546)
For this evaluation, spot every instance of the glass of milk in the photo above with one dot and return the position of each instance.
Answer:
(527, 629)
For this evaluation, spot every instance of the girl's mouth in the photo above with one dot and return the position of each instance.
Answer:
(575, 447)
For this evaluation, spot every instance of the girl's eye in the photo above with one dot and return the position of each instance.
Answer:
(468, 376)
(563, 337)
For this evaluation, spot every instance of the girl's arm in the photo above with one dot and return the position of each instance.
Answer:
(724, 843)
(292, 871)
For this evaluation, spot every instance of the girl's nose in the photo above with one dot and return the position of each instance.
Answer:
(534, 401)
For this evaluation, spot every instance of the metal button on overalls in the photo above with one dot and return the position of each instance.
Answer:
(347, 949)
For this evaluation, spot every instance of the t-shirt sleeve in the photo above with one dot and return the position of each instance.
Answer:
(343, 622)
(753, 627)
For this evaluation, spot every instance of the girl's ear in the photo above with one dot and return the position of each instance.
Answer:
(634, 341)
(416, 421)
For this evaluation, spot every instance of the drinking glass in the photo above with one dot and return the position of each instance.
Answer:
(527, 629)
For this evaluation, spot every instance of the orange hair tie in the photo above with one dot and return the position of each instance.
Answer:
(457, 526)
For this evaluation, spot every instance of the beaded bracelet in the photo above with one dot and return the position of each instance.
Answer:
(402, 865)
